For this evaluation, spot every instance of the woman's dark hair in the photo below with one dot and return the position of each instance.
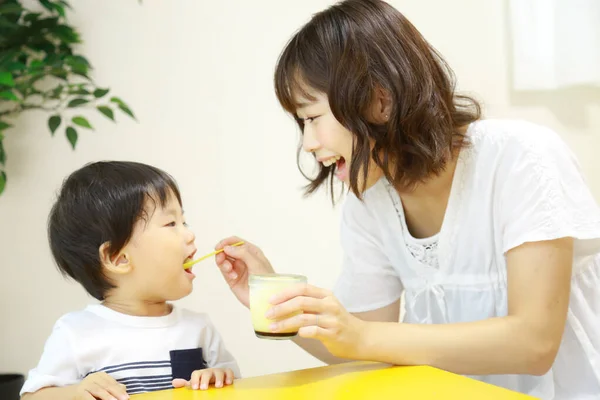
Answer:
(351, 50)
(101, 203)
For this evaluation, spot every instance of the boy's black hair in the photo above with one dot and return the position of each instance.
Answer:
(99, 203)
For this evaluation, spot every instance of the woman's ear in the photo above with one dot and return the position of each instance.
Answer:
(381, 106)
(118, 264)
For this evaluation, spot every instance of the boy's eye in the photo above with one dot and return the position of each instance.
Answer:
(171, 224)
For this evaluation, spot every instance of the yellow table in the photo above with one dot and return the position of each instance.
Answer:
(349, 381)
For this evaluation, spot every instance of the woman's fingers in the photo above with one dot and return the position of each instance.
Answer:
(228, 242)
(316, 332)
(297, 322)
(250, 256)
(300, 290)
(298, 304)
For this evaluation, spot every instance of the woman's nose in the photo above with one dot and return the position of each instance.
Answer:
(310, 144)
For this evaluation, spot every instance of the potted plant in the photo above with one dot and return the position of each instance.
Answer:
(40, 69)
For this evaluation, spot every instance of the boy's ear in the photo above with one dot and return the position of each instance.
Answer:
(119, 264)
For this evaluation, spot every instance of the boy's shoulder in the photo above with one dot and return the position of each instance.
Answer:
(79, 319)
(96, 315)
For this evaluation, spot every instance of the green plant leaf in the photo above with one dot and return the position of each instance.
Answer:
(72, 60)
(6, 23)
(2, 181)
(107, 112)
(6, 79)
(4, 125)
(7, 57)
(126, 110)
(56, 92)
(79, 65)
(66, 34)
(30, 17)
(60, 74)
(122, 106)
(65, 3)
(37, 64)
(16, 66)
(116, 100)
(81, 74)
(2, 151)
(60, 10)
(10, 8)
(77, 102)
(79, 91)
(82, 121)
(98, 93)
(47, 5)
(54, 122)
(72, 136)
(8, 95)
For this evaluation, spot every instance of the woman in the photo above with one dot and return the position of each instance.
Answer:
(487, 226)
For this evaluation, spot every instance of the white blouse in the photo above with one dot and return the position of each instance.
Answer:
(517, 183)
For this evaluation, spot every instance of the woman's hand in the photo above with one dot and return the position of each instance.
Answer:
(237, 263)
(323, 318)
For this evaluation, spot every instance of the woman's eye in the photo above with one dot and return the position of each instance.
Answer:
(171, 224)
(310, 119)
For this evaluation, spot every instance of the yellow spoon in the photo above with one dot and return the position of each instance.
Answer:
(190, 263)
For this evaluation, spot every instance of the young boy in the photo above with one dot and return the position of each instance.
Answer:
(118, 229)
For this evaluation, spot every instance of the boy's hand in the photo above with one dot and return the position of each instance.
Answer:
(100, 386)
(203, 377)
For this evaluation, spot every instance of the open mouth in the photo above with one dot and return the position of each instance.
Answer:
(188, 259)
(341, 172)
(331, 160)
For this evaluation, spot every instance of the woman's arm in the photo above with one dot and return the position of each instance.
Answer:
(524, 342)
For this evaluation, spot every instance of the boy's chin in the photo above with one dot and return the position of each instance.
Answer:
(185, 291)
(179, 294)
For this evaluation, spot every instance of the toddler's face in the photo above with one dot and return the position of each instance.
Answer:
(158, 248)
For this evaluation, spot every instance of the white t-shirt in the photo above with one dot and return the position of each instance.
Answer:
(517, 183)
(143, 353)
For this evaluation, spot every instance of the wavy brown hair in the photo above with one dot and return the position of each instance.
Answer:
(356, 47)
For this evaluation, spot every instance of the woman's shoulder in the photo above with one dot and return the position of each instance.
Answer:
(512, 134)
(363, 212)
(505, 143)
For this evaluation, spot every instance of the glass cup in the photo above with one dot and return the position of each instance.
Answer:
(262, 288)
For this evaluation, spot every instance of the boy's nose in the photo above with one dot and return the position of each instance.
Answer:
(190, 237)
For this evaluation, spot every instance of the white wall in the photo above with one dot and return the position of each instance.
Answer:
(198, 74)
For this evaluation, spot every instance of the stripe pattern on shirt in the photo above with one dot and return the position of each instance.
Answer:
(141, 376)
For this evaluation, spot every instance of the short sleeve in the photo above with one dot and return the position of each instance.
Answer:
(367, 281)
(57, 366)
(544, 195)
(214, 350)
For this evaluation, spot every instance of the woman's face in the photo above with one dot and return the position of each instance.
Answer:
(329, 140)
